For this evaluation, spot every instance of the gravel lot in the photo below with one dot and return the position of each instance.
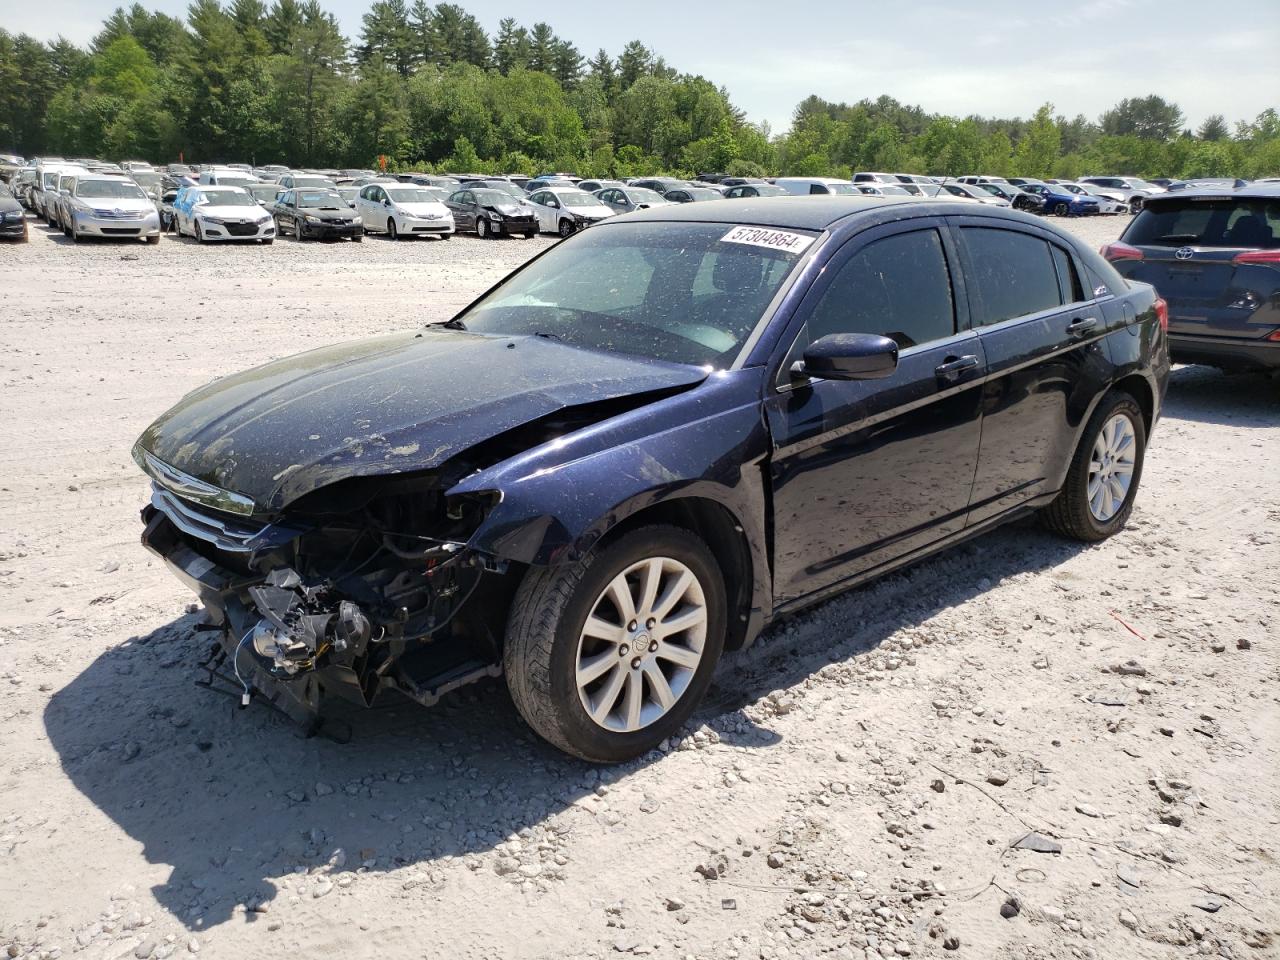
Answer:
(856, 785)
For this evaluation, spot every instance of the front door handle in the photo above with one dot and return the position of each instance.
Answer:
(1081, 326)
(953, 367)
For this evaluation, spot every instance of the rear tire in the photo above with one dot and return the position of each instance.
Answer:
(547, 651)
(1072, 514)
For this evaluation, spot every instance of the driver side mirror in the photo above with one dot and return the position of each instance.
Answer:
(849, 356)
(554, 204)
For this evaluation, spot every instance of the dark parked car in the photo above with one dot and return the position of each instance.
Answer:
(746, 190)
(1214, 255)
(13, 219)
(492, 213)
(1061, 202)
(692, 194)
(645, 444)
(312, 213)
(1018, 198)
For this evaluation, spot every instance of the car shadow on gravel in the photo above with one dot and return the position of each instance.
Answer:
(1208, 395)
(232, 798)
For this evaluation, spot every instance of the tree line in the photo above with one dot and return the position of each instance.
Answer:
(428, 88)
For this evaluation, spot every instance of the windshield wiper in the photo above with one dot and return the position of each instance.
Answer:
(454, 324)
(548, 336)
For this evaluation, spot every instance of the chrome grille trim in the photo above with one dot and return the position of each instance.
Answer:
(191, 488)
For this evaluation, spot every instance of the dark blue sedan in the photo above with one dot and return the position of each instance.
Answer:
(1060, 202)
(646, 444)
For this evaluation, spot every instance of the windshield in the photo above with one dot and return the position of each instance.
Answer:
(411, 195)
(769, 190)
(311, 182)
(576, 198)
(320, 198)
(224, 198)
(1208, 222)
(641, 195)
(110, 189)
(146, 180)
(703, 193)
(508, 188)
(264, 191)
(678, 292)
(844, 189)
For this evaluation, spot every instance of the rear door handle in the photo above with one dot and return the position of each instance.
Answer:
(953, 367)
(1081, 326)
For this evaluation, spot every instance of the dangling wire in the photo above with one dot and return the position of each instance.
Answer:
(235, 665)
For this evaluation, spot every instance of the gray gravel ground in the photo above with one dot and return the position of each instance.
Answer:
(856, 786)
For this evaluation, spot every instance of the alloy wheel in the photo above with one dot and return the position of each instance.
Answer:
(641, 644)
(1111, 467)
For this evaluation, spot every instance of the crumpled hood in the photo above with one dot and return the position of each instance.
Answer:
(386, 405)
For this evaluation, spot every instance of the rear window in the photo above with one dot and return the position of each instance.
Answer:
(1208, 222)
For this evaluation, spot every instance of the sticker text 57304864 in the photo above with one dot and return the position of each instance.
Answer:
(783, 240)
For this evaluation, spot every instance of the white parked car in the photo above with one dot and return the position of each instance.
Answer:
(403, 210)
(965, 192)
(888, 190)
(565, 210)
(1108, 203)
(111, 207)
(806, 186)
(1131, 190)
(222, 213)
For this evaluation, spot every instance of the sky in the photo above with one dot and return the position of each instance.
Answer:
(995, 58)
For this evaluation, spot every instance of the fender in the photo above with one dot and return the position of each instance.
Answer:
(555, 501)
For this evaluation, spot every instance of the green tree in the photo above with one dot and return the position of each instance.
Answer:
(1148, 118)
(1214, 128)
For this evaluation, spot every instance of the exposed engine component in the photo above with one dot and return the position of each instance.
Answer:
(297, 626)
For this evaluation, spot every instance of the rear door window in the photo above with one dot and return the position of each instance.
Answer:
(1013, 274)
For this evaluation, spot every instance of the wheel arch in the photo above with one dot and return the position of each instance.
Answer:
(1136, 386)
(723, 534)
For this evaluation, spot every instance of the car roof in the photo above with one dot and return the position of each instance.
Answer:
(1254, 191)
(817, 212)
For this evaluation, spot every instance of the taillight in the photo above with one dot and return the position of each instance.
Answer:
(1275, 335)
(1162, 313)
(1258, 256)
(1121, 251)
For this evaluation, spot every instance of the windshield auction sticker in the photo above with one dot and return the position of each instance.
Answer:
(783, 240)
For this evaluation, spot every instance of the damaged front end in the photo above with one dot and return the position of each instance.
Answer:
(362, 586)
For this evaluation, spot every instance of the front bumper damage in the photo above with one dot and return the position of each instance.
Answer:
(296, 639)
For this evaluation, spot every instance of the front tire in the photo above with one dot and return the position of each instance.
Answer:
(392, 232)
(1102, 481)
(607, 657)
(482, 229)
(566, 228)
(1061, 209)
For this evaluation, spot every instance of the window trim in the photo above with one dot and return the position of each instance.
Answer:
(778, 373)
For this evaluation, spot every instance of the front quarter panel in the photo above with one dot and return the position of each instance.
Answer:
(559, 498)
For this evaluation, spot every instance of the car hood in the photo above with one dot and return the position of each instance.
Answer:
(248, 211)
(433, 209)
(386, 405)
(117, 203)
(512, 209)
(326, 213)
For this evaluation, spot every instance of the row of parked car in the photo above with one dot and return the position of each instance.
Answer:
(87, 198)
